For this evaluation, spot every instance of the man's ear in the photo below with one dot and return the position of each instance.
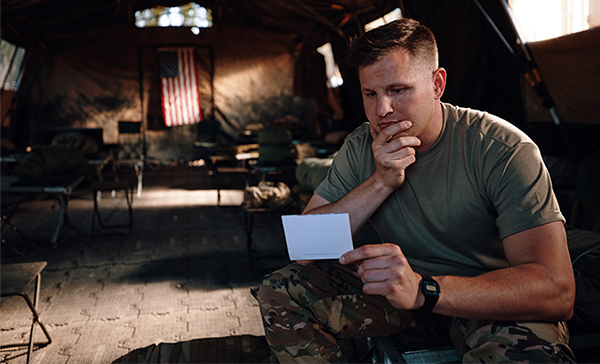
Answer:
(439, 82)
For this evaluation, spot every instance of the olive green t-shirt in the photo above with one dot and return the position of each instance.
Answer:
(481, 181)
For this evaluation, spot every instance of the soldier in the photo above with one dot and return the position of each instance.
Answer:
(473, 232)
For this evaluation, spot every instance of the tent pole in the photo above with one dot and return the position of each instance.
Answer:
(529, 70)
(538, 84)
(525, 66)
(555, 116)
(212, 82)
(500, 35)
(143, 116)
(528, 66)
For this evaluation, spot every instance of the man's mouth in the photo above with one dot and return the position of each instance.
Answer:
(386, 124)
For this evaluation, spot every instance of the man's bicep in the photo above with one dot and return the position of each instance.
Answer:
(542, 257)
(545, 245)
(315, 201)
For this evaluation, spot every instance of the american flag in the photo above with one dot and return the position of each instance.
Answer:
(179, 87)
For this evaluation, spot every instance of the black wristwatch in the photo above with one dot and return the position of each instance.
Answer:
(431, 291)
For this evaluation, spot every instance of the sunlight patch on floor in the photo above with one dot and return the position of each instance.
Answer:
(180, 197)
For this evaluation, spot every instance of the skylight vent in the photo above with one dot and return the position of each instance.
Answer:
(190, 15)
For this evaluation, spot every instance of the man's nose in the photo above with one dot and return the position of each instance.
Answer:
(384, 106)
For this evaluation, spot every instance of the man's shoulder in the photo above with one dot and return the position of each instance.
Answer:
(471, 117)
(359, 137)
(361, 132)
(484, 125)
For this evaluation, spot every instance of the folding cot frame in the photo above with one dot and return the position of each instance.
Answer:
(61, 190)
(15, 279)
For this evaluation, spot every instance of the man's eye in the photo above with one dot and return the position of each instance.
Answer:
(370, 94)
(397, 90)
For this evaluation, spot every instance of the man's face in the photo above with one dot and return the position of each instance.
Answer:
(397, 88)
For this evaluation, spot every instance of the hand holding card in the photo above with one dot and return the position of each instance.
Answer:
(319, 236)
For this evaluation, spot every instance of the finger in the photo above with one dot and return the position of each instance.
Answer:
(377, 288)
(368, 267)
(388, 133)
(381, 268)
(404, 144)
(373, 275)
(367, 252)
(392, 153)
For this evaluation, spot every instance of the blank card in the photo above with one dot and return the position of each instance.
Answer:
(321, 236)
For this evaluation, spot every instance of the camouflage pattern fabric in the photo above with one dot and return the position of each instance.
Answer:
(306, 308)
(511, 342)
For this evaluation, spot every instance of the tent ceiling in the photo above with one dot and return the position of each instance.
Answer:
(50, 21)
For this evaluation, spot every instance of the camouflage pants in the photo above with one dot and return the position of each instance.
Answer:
(307, 308)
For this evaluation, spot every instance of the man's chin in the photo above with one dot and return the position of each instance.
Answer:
(402, 134)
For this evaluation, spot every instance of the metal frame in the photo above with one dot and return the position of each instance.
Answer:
(98, 188)
(13, 275)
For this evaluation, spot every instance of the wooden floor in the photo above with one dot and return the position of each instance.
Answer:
(179, 280)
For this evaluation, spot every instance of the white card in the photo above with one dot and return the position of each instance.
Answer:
(319, 236)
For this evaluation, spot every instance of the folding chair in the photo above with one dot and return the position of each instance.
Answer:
(130, 140)
(208, 133)
(133, 149)
(14, 280)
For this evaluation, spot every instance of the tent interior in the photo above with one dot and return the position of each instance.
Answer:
(87, 65)
(79, 65)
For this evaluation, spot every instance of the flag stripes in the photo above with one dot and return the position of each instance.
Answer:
(179, 87)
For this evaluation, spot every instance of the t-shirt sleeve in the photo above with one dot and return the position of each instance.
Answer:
(342, 176)
(520, 189)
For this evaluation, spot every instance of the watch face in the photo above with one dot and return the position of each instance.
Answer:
(431, 288)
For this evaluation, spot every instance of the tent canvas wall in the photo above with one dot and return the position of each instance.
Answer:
(87, 65)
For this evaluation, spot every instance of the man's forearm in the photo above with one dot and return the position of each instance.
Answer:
(538, 285)
(527, 292)
(360, 203)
